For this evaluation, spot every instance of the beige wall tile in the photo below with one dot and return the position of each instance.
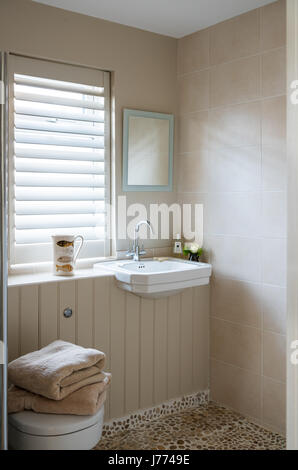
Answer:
(194, 92)
(193, 132)
(235, 126)
(274, 122)
(235, 164)
(235, 169)
(273, 25)
(274, 309)
(193, 52)
(274, 356)
(245, 341)
(274, 209)
(236, 301)
(274, 72)
(235, 213)
(193, 199)
(163, 252)
(235, 82)
(274, 404)
(236, 257)
(193, 172)
(274, 257)
(274, 166)
(235, 38)
(236, 388)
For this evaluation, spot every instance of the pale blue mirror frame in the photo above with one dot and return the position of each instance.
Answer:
(169, 117)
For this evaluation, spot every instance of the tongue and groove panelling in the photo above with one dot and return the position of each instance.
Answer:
(156, 349)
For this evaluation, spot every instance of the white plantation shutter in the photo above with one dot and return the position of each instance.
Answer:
(59, 168)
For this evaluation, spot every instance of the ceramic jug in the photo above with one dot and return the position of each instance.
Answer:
(65, 255)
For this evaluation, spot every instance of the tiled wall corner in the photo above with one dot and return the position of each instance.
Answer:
(232, 158)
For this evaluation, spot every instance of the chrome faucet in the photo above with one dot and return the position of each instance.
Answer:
(136, 252)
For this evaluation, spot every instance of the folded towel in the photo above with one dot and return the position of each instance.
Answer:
(57, 370)
(86, 401)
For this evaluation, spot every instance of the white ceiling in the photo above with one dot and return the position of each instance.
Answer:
(175, 18)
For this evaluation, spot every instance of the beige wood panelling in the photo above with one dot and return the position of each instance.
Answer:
(13, 323)
(67, 299)
(117, 351)
(174, 311)
(102, 324)
(132, 352)
(29, 321)
(160, 350)
(48, 311)
(85, 320)
(186, 340)
(156, 349)
(146, 352)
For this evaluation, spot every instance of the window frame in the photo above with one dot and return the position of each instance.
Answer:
(17, 64)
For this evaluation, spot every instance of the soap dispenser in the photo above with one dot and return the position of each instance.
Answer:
(178, 245)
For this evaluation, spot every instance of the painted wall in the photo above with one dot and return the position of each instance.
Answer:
(144, 65)
(156, 349)
(232, 158)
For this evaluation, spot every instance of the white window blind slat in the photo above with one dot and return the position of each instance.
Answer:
(23, 193)
(40, 165)
(58, 220)
(49, 99)
(65, 95)
(63, 112)
(58, 85)
(59, 168)
(39, 236)
(58, 152)
(52, 138)
(58, 180)
(58, 125)
(58, 207)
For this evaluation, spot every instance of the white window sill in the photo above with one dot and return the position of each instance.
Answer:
(41, 274)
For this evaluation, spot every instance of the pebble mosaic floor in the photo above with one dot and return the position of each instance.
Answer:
(207, 427)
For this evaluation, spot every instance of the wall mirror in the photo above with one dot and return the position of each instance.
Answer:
(148, 142)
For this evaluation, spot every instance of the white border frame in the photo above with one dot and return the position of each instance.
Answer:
(3, 248)
(292, 261)
(127, 113)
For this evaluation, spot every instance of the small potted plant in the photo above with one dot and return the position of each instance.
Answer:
(193, 251)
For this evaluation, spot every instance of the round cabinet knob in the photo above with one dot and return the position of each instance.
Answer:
(67, 313)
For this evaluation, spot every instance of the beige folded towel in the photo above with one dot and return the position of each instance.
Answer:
(57, 370)
(86, 401)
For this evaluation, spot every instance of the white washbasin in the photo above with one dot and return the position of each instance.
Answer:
(157, 277)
